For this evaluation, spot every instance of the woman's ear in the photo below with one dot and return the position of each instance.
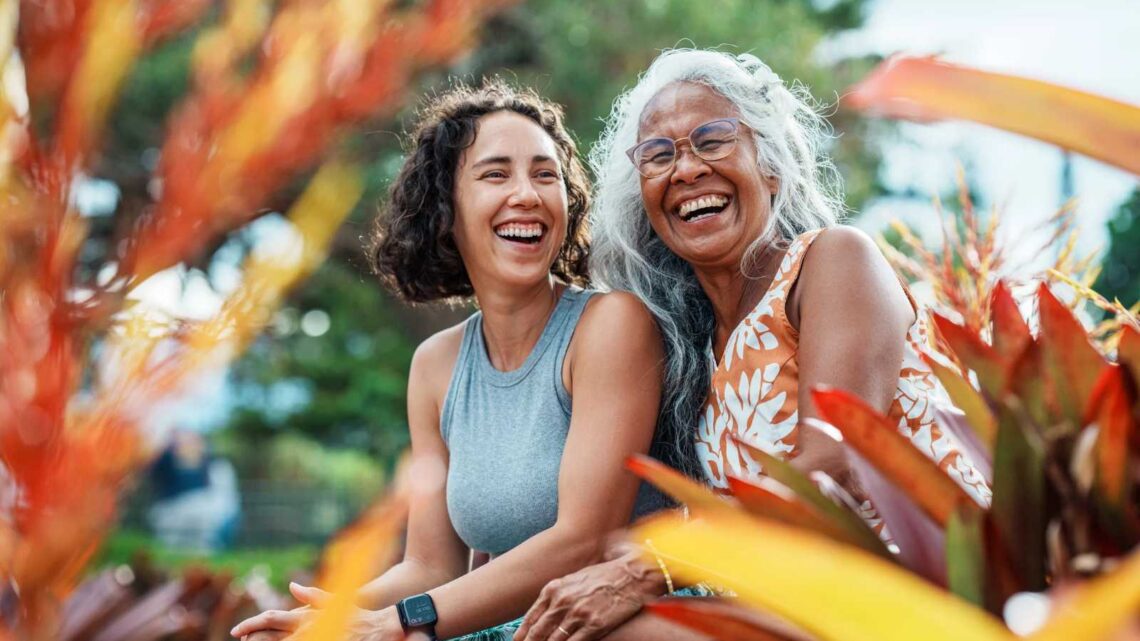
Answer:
(773, 184)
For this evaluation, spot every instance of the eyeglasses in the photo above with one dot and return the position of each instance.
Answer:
(711, 141)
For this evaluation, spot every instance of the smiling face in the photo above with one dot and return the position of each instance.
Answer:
(510, 202)
(707, 212)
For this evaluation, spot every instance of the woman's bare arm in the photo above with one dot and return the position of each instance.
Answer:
(434, 554)
(615, 371)
(852, 315)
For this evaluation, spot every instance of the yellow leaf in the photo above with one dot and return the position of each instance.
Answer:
(832, 590)
(1097, 608)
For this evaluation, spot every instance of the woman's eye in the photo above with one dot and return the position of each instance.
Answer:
(495, 174)
(549, 173)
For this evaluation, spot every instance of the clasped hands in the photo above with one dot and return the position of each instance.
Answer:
(595, 600)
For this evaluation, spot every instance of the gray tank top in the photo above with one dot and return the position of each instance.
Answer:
(505, 432)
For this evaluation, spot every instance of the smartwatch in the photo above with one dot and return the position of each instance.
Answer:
(417, 614)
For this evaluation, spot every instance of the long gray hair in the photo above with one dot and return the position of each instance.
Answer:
(628, 255)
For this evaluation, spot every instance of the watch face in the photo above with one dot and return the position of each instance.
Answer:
(418, 610)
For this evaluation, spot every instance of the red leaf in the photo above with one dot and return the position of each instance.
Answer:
(771, 499)
(876, 439)
(1072, 364)
(975, 354)
(1010, 332)
(726, 620)
(1110, 408)
(693, 494)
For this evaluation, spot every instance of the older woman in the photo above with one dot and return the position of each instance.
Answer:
(717, 208)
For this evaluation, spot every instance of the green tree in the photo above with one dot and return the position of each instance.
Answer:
(346, 387)
(1121, 275)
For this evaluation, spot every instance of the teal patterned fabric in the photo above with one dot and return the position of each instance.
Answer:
(506, 631)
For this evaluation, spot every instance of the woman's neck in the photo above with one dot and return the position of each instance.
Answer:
(513, 321)
(733, 294)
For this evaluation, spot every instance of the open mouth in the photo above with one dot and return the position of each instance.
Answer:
(703, 207)
(524, 233)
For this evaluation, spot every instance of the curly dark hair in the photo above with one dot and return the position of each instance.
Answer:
(412, 247)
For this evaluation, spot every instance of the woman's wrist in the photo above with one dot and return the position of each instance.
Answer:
(386, 625)
(646, 575)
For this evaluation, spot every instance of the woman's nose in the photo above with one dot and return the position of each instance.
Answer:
(523, 195)
(688, 166)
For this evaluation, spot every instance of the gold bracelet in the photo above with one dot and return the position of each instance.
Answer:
(660, 564)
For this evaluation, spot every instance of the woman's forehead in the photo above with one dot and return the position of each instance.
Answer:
(682, 106)
(511, 134)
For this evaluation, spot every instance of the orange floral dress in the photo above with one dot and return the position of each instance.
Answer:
(754, 392)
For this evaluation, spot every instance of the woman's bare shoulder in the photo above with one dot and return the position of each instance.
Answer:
(617, 312)
(433, 361)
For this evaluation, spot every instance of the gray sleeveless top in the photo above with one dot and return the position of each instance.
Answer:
(505, 432)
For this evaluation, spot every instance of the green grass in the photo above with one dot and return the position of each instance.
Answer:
(278, 564)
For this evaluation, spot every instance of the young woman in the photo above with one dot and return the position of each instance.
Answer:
(533, 403)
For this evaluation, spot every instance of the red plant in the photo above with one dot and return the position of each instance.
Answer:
(72, 435)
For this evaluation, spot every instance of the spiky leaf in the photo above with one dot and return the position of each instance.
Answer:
(1018, 509)
(974, 354)
(965, 556)
(1071, 363)
(832, 590)
(807, 491)
(877, 439)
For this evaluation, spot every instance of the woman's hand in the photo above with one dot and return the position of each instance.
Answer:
(275, 625)
(592, 602)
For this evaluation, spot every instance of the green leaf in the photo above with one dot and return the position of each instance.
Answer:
(1018, 509)
(965, 556)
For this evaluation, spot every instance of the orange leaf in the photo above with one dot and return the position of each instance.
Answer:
(807, 491)
(877, 440)
(1010, 332)
(975, 354)
(768, 498)
(925, 89)
(1071, 363)
(693, 494)
(725, 620)
(1128, 350)
(1111, 410)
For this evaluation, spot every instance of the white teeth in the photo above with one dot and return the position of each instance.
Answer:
(701, 203)
(519, 230)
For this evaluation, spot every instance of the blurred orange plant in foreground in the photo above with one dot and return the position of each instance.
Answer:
(275, 86)
(1047, 406)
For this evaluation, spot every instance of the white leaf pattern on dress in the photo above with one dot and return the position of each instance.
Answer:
(741, 401)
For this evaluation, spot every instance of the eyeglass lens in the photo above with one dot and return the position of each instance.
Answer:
(710, 141)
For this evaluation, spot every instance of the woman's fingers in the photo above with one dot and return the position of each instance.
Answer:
(315, 597)
(266, 635)
(533, 615)
(285, 621)
(547, 626)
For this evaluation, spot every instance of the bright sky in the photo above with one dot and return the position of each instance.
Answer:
(1092, 45)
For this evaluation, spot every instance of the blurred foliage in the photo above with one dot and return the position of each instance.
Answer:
(1121, 276)
(346, 388)
(298, 460)
(278, 565)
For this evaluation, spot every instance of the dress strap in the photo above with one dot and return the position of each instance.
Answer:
(787, 275)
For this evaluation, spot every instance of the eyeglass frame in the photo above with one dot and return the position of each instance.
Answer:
(736, 125)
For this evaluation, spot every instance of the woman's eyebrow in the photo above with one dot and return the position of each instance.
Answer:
(493, 160)
(506, 160)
